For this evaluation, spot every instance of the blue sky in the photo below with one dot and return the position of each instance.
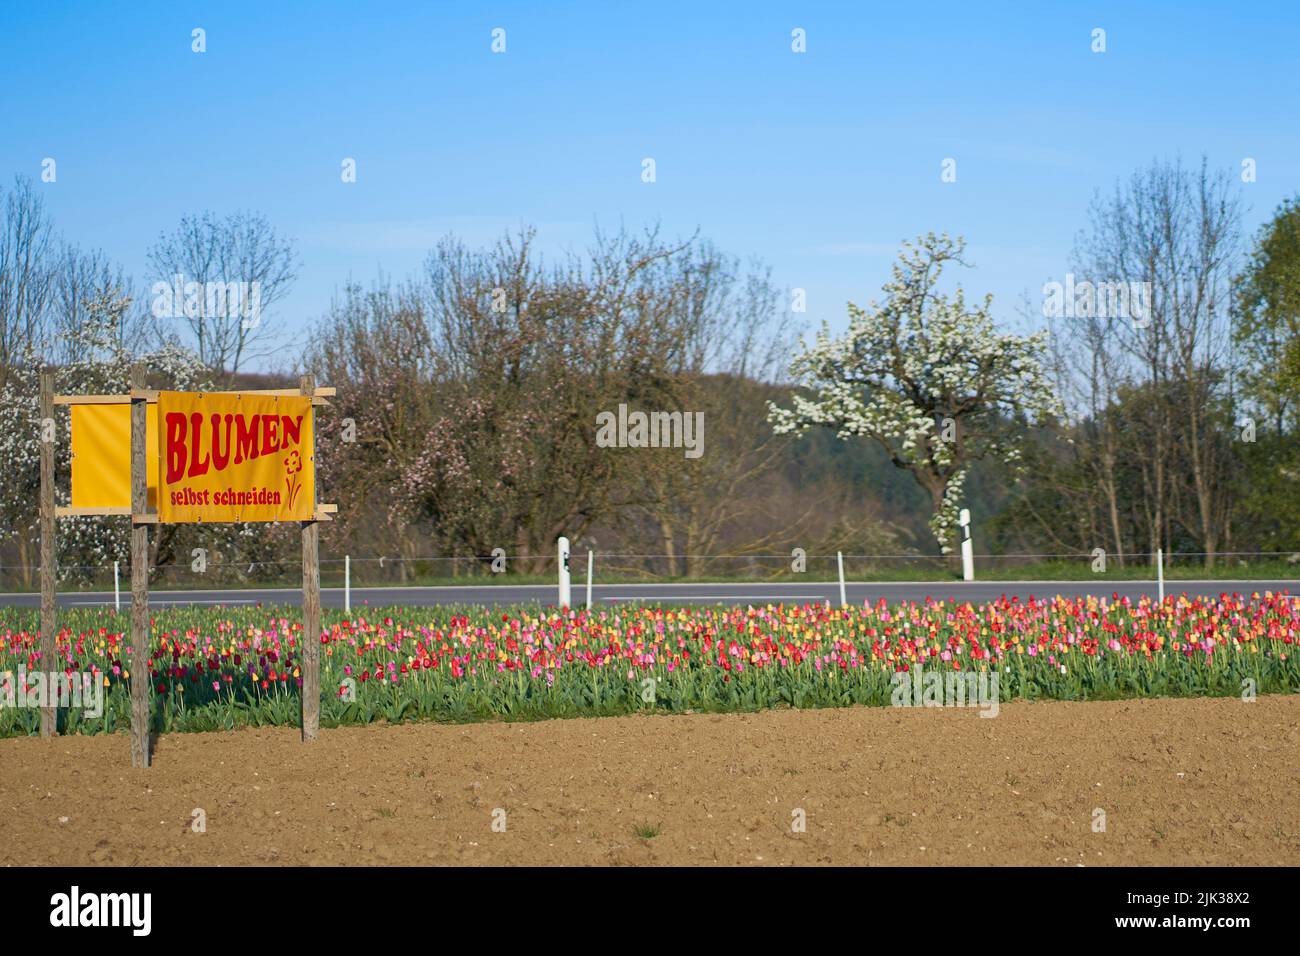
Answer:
(818, 163)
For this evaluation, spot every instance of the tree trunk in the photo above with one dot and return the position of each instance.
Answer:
(668, 537)
(937, 485)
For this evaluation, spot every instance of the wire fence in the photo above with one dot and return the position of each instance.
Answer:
(380, 570)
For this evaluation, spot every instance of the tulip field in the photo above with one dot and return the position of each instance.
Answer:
(221, 668)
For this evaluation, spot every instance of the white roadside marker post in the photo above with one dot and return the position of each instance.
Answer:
(1160, 572)
(839, 558)
(117, 591)
(564, 572)
(591, 560)
(967, 548)
(347, 582)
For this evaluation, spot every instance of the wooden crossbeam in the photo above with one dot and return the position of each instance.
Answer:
(151, 395)
(323, 513)
(91, 399)
(63, 511)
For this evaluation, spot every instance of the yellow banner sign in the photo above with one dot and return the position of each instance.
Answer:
(235, 457)
(101, 456)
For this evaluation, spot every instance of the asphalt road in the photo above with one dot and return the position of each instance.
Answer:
(735, 593)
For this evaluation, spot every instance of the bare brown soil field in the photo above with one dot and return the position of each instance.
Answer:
(1181, 782)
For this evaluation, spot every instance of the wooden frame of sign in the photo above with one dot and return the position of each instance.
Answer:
(139, 399)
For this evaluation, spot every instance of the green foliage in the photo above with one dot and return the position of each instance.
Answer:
(1268, 315)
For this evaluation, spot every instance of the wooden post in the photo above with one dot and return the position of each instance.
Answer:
(140, 689)
(49, 617)
(310, 597)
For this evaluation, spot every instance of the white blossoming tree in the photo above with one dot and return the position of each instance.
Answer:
(99, 363)
(927, 377)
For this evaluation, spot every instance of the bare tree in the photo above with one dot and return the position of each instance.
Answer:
(219, 276)
(476, 388)
(26, 273)
(729, 498)
(374, 347)
(1174, 232)
(526, 355)
(82, 282)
